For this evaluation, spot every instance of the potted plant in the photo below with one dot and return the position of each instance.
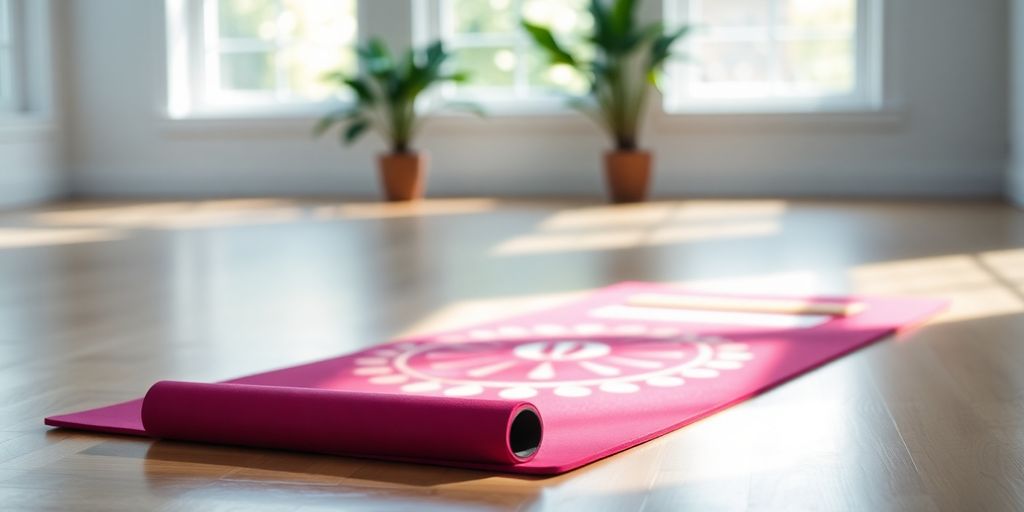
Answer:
(621, 61)
(385, 95)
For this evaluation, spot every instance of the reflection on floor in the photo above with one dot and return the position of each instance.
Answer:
(625, 226)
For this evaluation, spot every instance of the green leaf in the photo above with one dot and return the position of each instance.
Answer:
(546, 40)
(635, 37)
(662, 47)
(603, 35)
(420, 76)
(328, 121)
(387, 89)
(362, 90)
(652, 32)
(409, 61)
(377, 49)
(356, 129)
(435, 54)
(457, 77)
(377, 58)
(336, 76)
(620, 18)
(325, 123)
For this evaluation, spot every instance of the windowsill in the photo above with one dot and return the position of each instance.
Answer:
(299, 120)
(530, 108)
(265, 120)
(530, 116)
(888, 116)
(24, 127)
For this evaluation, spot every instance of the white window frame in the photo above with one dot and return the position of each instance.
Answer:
(10, 48)
(866, 95)
(431, 25)
(189, 57)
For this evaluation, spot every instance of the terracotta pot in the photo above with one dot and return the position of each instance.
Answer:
(628, 174)
(402, 175)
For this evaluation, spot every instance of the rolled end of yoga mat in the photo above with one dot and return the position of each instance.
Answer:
(402, 427)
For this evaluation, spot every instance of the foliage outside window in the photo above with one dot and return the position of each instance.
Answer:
(487, 38)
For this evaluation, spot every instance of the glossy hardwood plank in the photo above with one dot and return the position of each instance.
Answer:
(98, 300)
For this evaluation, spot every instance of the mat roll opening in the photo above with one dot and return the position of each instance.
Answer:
(525, 433)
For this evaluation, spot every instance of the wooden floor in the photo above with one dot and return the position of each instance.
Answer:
(98, 301)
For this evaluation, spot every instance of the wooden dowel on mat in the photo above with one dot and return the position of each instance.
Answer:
(781, 306)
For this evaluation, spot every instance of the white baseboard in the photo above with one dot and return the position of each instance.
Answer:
(970, 181)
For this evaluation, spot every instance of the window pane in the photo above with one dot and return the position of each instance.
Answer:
(491, 67)
(555, 78)
(322, 23)
(565, 17)
(837, 16)
(483, 16)
(247, 71)
(317, 36)
(283, 46)
(305, 65)
(247, 19)
(732, 69)
(817, 67)
(734, 13)
(768, 49)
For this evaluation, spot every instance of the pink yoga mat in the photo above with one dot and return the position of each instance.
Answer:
(542, 393)
(406, 427)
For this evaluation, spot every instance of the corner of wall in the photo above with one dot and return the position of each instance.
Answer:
(1015, 185)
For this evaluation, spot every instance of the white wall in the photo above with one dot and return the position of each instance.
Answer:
(31, 151)
(30, 164)
(1015, 178)
(945, 135)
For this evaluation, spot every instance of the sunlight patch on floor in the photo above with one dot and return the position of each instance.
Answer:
(177, 215)
(653, 224)
(13, 238)
(426, 207)
(1009, 264)
(652, 214)
(977, 286)
(539, 243)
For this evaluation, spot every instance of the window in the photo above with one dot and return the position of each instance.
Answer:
(775, 55)
(8, 93)
(489, 42)
(257, 57)
(256, 54)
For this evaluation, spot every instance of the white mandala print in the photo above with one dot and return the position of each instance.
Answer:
(519, 362)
